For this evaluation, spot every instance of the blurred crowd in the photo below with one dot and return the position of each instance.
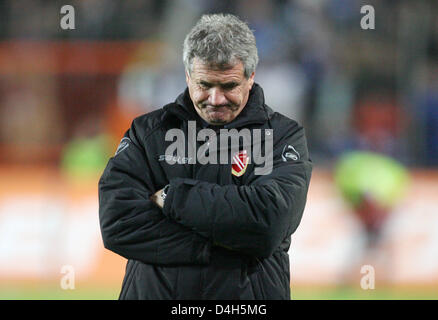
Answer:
(374, 89)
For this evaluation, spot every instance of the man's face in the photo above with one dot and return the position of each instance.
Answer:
(218, 95)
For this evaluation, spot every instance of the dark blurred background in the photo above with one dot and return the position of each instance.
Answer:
(372, 89)
(68, 96)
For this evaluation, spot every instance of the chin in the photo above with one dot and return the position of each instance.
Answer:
(218, 121)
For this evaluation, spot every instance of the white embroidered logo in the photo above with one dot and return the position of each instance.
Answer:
(289, 152)
(124, 143)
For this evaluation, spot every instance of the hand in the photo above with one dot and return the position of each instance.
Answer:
(157, 199)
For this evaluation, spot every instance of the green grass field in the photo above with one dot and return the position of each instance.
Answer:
(54, 292)
(353, 293)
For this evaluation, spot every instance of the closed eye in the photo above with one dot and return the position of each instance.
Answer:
(205, 85)
(229, 85)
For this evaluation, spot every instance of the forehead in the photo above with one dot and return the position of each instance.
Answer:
(210, 73)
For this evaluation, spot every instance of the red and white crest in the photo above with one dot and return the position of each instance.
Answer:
(240, 162)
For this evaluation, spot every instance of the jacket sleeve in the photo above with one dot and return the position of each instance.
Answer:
(253, 218)
(134, 227)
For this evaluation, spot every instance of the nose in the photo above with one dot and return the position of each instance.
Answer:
(217, 97)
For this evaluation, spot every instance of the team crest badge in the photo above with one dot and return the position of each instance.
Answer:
(240, 162)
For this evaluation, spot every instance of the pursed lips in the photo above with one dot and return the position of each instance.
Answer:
(220, 109)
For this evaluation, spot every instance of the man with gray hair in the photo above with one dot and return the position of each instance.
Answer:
(205, 230)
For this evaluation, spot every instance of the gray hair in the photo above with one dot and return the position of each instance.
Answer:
(219, 40)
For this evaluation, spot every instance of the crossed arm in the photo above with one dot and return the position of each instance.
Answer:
(253, 218)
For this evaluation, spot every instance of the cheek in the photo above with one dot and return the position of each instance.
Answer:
(199, 96)
(235, 97)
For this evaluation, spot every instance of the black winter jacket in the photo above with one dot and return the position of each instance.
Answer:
(218, 236)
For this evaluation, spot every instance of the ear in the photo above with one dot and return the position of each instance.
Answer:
(251, 80)
(187, 78)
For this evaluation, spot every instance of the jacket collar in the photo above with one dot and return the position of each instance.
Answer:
(255, 111)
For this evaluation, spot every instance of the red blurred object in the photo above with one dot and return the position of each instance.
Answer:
(378, 119)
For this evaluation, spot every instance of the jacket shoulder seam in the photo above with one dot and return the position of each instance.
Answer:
(149, 131)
